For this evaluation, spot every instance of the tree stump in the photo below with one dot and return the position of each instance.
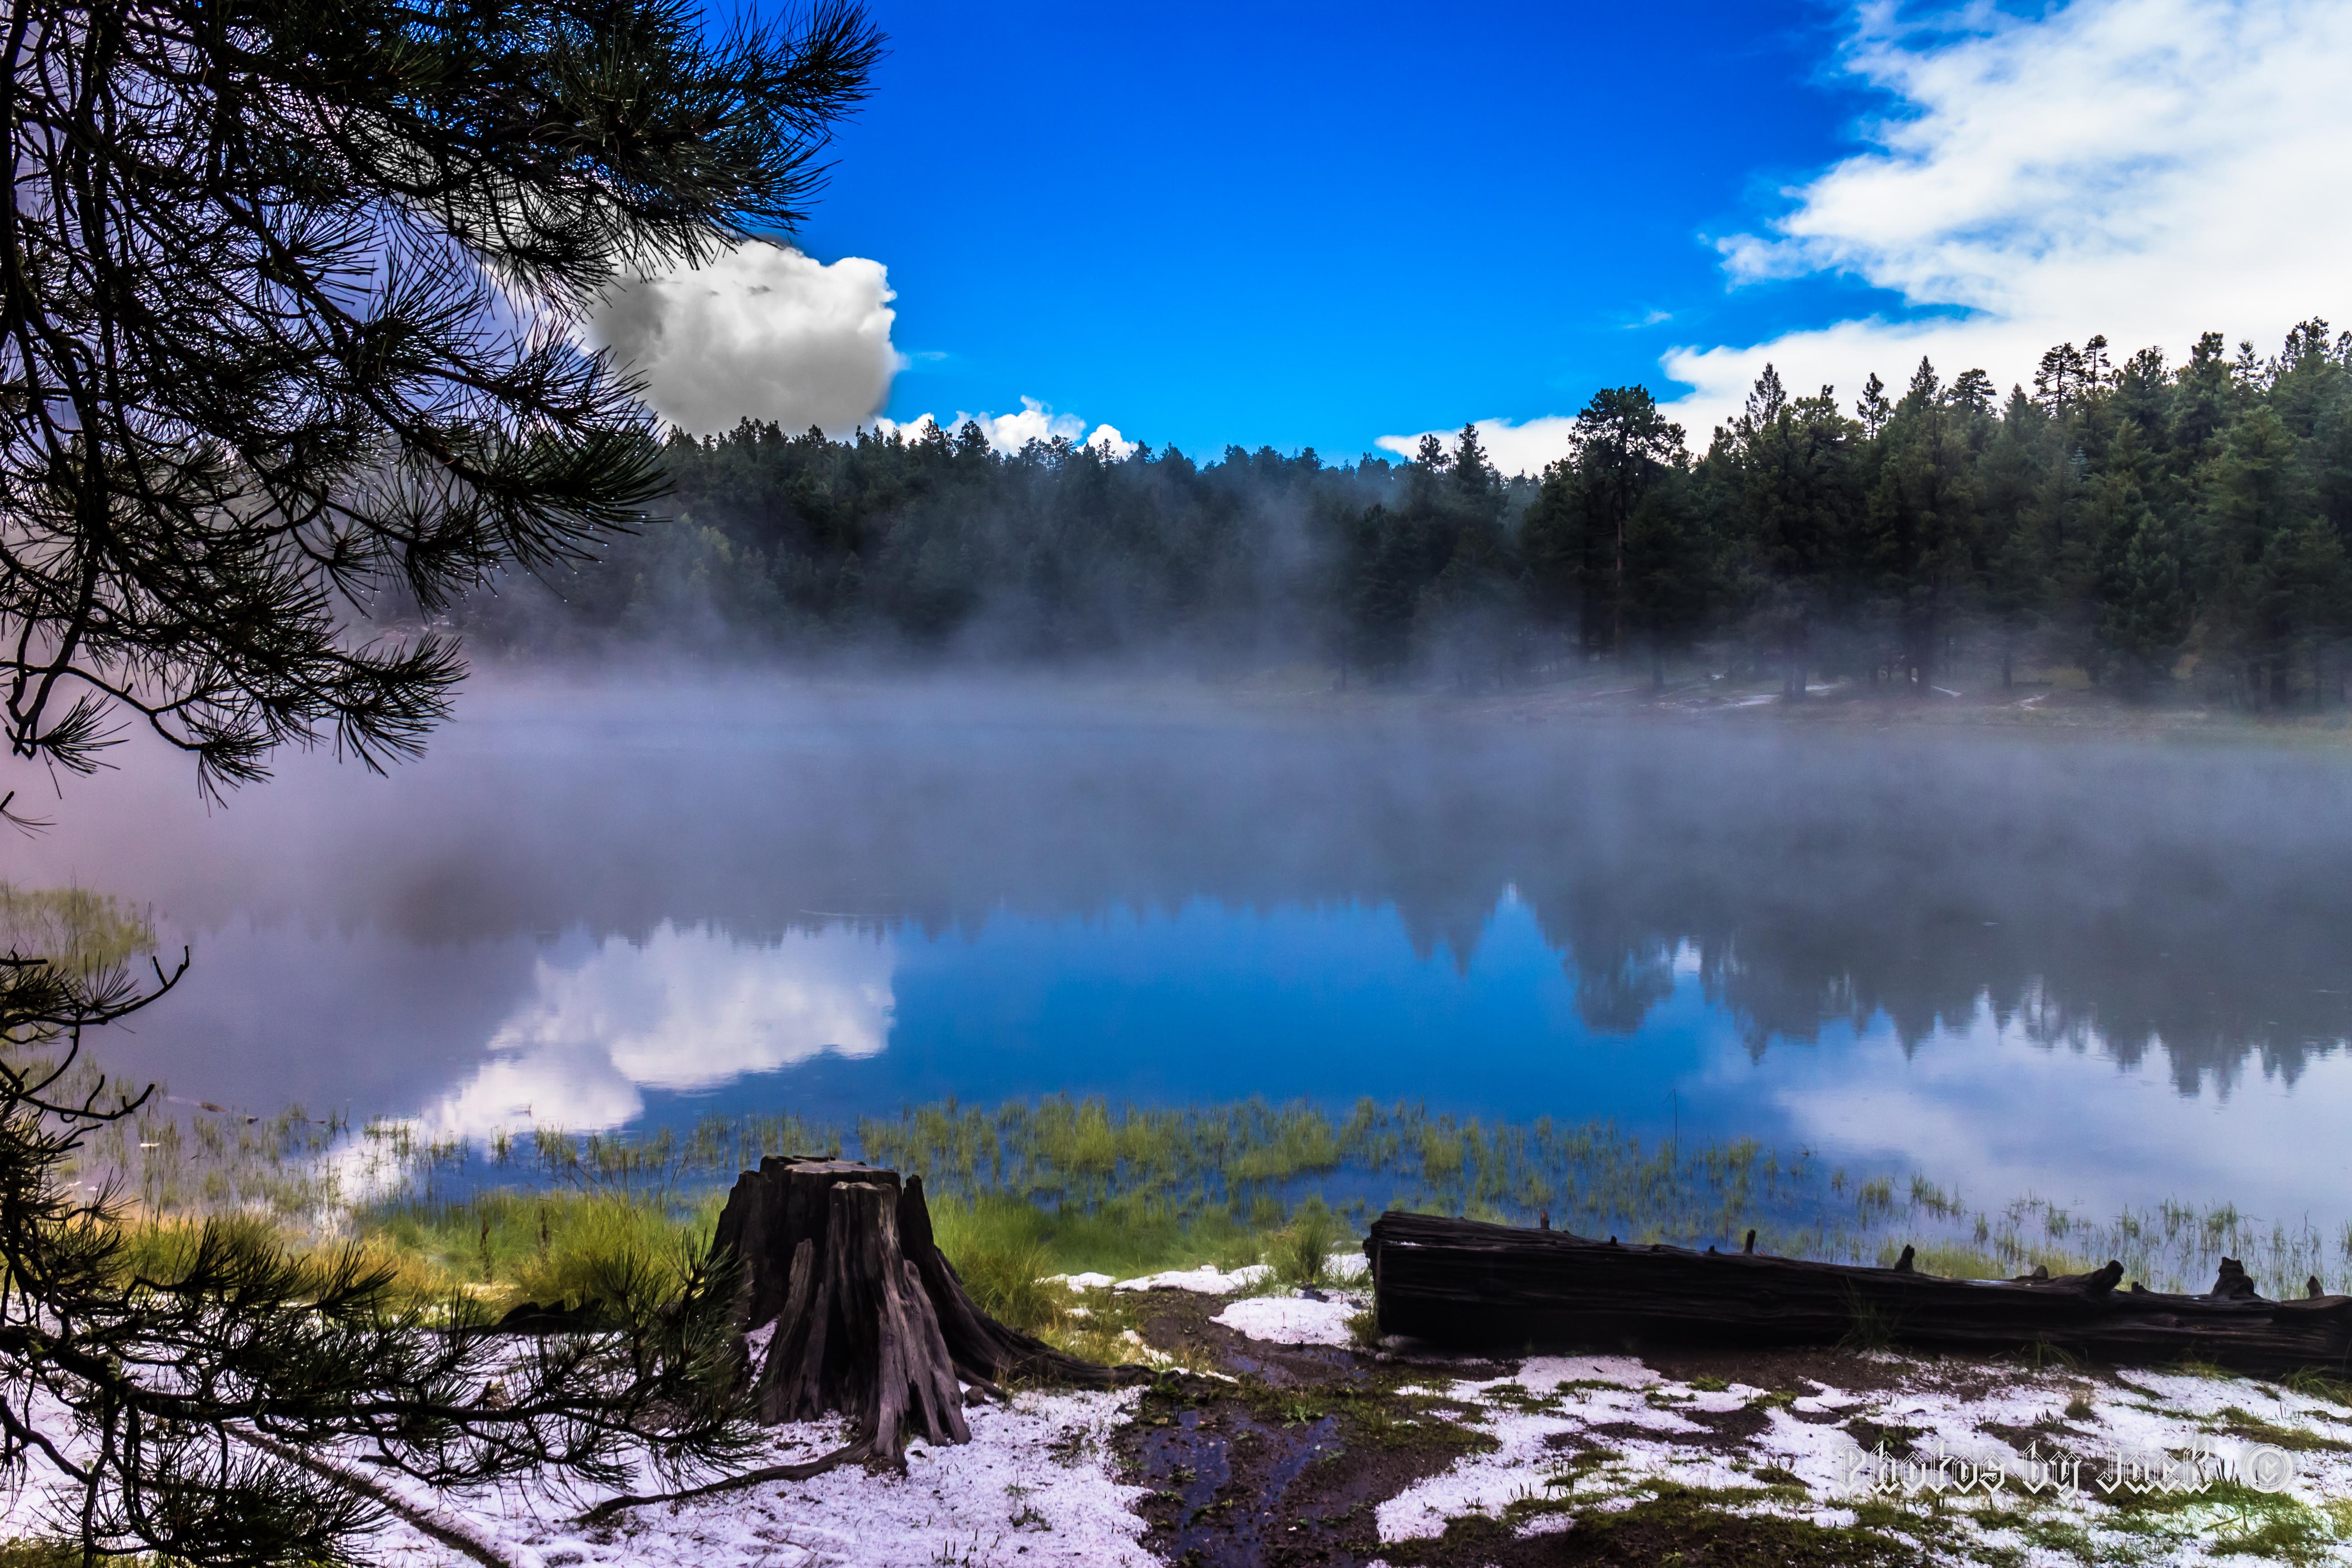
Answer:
(870, 1318)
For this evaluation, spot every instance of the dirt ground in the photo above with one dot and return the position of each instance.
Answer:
(1286, 1464)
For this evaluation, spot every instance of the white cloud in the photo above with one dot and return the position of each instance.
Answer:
(910, 431)
(763, 330)
(1521, 448)
(1008, 433)
(2074, 1126)
(689, 1009)
(1107, 440)
(2147, 169)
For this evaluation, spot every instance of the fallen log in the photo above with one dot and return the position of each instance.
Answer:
(1470, 1285)
(870, 1318)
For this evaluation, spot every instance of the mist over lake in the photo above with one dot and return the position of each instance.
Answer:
(2102, 970)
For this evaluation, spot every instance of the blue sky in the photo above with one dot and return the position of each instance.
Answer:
(1304, 227)
(1333, 226)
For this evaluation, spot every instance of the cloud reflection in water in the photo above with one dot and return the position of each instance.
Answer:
(686, 1009)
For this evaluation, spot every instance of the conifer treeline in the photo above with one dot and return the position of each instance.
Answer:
(2115, 517)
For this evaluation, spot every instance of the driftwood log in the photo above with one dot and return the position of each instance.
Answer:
(871, 1318)
(1463, 1283)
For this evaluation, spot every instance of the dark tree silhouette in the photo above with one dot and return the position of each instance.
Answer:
(283, 297)
(2150, 527)
(286, 292)
(219, 1407)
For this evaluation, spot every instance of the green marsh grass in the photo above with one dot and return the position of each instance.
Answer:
(1301, 1252)
(1082, 1185)
(556, 1248)
(500, 1246)
(84, 932)
(54, 1553)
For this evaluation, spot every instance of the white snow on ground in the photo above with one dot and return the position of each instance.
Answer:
(2133, 1478)
(1205, 1281)
(1078, 1281)
(1035, 1486)
(1291, 1319)
(1032, 1487)
(2041, 1471)
(1208, 1281)
(1036, 1475)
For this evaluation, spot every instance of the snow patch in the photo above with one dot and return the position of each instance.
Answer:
(1208, 1280)
(1291, 1319)
(1034, 1485)
(1205, 1281)
(1806, 1463)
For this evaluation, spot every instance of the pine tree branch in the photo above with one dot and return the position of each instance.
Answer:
(424, 1522)
(807, 1470)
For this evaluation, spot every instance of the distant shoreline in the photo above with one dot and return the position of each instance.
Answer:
(2053, 702)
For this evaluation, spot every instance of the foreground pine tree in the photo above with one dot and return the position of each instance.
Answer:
(243, 1405)
(287, 293)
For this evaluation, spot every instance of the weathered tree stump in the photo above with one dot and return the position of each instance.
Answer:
(857, 1333)
(870, 1318)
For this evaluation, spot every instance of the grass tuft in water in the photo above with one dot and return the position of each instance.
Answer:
(1130, 1190)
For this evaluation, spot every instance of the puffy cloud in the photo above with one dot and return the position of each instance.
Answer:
(763, 330)
(1008, 433)
(1035, 422)
(2147, 169)
(689, 1009)
(1109, 441)
(910, 430)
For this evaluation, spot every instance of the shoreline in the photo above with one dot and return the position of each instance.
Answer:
(1272, 1445)
(2057, 701)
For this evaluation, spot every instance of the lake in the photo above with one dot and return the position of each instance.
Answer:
(2104, 971)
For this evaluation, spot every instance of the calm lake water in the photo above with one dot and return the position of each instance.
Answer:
(2102, 971)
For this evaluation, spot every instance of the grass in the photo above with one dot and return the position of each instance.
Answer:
(1680, 1525)
(2040, 1355)
(1122, 1237)
(2236, 1423)
(501, 1247)
(83, 932)
(2230, 1519)
(1079, 1186)
(1301, 1252)
(551, 1248)
(1589, 1177)
(40, 1553)
(504, 1245)
(1869, 1327)
(2313, 1384)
